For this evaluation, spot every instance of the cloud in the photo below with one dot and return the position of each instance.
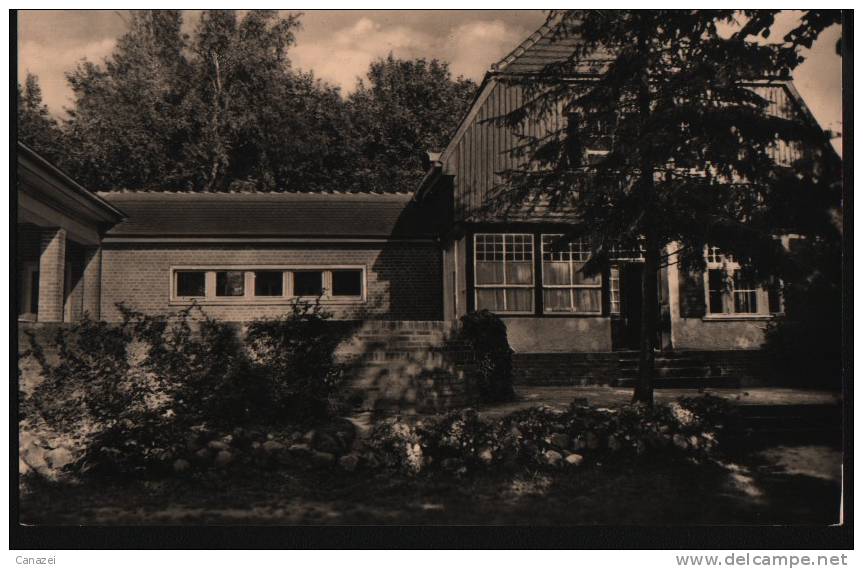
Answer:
(476, 45)
(343, 55)
(50, 62)
(346, 53)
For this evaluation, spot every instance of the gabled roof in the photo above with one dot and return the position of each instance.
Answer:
(275, 214)
(542, 48)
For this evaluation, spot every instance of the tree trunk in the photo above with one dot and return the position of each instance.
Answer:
(649, 321)
(649, 305)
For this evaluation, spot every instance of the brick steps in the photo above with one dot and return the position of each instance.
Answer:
(620, 369)
(406, 367)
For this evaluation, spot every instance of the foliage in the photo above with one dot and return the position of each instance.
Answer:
(542, 437)
(297, 354)
(806, 343)
(128, 395)
(222, 109)
(691, 160)
(407, 107)
(36, 127)
(485, 333)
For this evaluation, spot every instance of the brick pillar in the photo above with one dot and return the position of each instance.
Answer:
(93, 281)
(52, 271)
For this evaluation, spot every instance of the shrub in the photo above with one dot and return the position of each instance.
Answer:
(485, 333)
(297, 353)
(127, 396)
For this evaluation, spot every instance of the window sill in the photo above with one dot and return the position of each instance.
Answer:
(737, 317)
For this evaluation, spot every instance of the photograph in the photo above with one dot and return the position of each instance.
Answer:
(580, 267)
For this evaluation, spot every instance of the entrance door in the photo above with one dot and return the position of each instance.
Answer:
(630, 304)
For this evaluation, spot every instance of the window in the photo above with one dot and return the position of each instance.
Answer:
(503, 272)
(347, 283)
(614, 289)
(565, 288)
(729, 289)
(269, 283)
(308, 283)
(191, 284)
(588, 139)
(230, 283)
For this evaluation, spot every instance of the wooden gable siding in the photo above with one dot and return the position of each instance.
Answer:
(481, 150)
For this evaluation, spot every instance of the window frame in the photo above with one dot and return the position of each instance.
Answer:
(249, 298)
(533, 278)
(572, 287)
(730, 267)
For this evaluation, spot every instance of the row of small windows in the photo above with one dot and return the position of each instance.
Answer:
(339, 283)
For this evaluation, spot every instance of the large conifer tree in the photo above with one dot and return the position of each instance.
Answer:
(692, 160)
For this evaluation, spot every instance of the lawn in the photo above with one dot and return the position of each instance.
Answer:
(764, 484)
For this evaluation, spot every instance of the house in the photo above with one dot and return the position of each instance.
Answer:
(412, 261)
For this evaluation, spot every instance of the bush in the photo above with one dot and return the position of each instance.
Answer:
(297, 353)
(127, 396)
(485, 333)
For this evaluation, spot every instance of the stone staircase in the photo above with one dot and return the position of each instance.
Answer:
(406, 367)
(730, 368)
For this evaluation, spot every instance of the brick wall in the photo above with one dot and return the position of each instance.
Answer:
(403, 279)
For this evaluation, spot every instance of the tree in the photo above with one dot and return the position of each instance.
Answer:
(36, 127)
(691, 162)
(406, 108)
(218, 110)
(127, 127)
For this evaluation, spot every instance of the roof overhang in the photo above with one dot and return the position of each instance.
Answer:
(40, 181)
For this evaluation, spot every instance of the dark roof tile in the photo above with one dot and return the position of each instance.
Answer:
(185, 214)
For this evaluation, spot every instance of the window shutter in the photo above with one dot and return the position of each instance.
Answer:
(692, 294)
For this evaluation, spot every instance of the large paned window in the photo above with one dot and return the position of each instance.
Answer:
(503, 272)
(565, 288)
(267, 284)
(729, 289)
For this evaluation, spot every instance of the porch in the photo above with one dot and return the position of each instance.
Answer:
(58, 243)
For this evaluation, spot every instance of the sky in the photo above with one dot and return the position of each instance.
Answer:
(338, 45)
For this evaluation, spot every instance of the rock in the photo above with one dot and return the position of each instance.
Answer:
(203, 454)
(224, 458)
(181, 465)
(325, 442)
(694, 441)
(560, 440)
(218, 445)
(299, 448)
(323, 458)
(552, 457)
(574, 459)
(59, 457)
(486, 455)
(592, 440)
(349, 462)
(680, 441)
(273, 446)
(336, 437)
(371, 460)
(309, 436)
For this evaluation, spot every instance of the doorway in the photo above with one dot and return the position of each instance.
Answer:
(630, 305)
